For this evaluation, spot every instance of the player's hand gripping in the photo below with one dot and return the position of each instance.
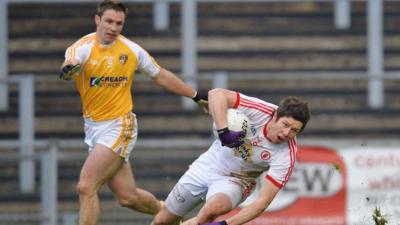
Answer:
(231, 139)
(223, 222)
(202, 101)
(68, 71)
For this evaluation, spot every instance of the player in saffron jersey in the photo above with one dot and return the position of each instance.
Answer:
(103, 65)
(226, 173)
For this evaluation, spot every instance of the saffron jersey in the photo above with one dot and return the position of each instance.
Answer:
(105, 79)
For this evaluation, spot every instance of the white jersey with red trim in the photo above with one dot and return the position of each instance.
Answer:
(258, 154)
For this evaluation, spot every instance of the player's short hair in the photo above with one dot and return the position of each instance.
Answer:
(111, 4)
(295, 108)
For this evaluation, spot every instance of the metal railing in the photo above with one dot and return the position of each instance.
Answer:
(49, 163)
(3, 54)
(375, 72)
(50, 158)
(26, 143)
(26, 110)
(48, 186)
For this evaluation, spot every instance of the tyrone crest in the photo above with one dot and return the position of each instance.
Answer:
(123, 58)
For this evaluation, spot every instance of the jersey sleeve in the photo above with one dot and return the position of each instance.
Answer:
(255, 109)
(146, 63)
(282, 167)
(81, 49)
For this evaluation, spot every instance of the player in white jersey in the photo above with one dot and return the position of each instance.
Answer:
(226, 173)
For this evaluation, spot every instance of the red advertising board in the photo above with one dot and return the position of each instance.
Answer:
(315, 194)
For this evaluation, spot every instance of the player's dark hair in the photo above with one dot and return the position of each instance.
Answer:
(295, 108)
(111, 4)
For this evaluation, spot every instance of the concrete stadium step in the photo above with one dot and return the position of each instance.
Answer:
(261, 61)
(80, 16)
(289, 46)
(160, 186)
(73, 124)
(111, 212)
(209, 44)
(156, 169)
(238, 62)
(139, 23)
(59, 113)
(29, 213)
(140, 20)
(233, 37)
(58, 98)
(261, 81)
(151, 104)
(254, 25)
(285, 8)
(245, 51)
(208, 8)
(67, 190)
(196, 125)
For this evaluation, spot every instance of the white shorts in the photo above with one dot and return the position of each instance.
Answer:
(181, 199)
(193, 187)
(119, 134)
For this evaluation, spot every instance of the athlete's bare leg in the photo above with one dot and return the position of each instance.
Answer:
(100, 165)
(123, 185)
(217, 205)
(165, 217)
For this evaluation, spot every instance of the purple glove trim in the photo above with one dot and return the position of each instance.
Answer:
(230, 138)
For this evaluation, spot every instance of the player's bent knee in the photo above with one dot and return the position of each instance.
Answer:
(211, 212)
(84, 188)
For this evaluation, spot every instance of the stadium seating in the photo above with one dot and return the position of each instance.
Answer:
(251, 37)
(233, 37)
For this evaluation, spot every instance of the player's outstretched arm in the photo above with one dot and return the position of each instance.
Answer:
(266, 194)
(69, 69)
(174, 84)
(170, 82)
